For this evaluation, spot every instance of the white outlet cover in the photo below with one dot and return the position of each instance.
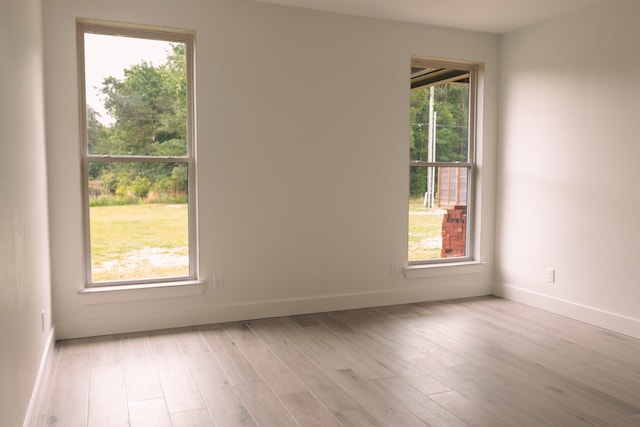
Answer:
(551, 275)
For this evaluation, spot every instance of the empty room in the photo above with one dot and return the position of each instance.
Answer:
(306, 212)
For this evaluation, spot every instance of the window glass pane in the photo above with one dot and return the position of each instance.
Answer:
(444, 108)
(438, 225)
(136, 99)
(139, 221)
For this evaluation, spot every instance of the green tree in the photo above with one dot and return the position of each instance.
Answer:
(451, 103)
(149, 119)
(148, 108)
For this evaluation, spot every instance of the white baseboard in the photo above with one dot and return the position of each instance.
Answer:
(591, 315)
(142, 320)
(41, 389)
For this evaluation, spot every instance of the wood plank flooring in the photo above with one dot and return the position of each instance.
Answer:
(482, 362)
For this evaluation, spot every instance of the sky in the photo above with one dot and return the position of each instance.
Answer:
(106, 56)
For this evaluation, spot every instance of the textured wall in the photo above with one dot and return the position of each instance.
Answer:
(24, 234)
(303, 123)
(568, 168)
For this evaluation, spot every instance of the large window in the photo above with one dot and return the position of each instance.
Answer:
(138, 153)
(441, 166)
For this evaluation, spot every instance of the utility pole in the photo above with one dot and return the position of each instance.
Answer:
(434, 143)
(429, 196)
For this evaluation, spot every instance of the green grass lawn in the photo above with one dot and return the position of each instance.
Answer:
(425, 231)
(152, 240)
(139, 241)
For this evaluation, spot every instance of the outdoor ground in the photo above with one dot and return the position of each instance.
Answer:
(425, 231)
(139, 241)
(152, 240)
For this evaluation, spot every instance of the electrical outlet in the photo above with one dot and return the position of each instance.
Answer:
(218, 283)
(551, 275)
(395, 270)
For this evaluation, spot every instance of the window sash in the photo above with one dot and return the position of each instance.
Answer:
(470, 211)
(153, 33)
(470, 165)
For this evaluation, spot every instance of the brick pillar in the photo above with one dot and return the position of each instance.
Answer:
(454, 232)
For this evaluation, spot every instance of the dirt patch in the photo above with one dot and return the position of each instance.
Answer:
(147, 258)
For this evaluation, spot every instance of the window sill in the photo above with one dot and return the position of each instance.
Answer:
(124, 293)
(448, 269)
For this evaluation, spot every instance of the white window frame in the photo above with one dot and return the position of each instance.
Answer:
(470, 165)
(187, 37)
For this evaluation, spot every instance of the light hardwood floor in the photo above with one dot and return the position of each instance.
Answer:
(474, 362)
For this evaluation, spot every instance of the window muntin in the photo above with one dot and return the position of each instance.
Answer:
(138, 153)
(441, 166)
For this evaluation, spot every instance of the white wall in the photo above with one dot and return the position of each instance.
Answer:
(302, 144)
(568, 176)
(24, 239)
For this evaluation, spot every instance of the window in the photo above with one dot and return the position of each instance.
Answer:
(441, 166)
(138, 153)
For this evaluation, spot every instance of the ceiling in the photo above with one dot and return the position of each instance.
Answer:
(491, 16)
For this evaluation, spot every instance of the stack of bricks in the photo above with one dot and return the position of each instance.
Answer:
(454, 232)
